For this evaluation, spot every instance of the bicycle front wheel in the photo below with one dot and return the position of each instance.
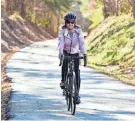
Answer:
(73, 94)
(68, 93)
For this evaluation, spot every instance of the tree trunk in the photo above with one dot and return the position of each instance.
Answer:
(117, 7)
(113, 7)
(105, 12)
(22, 7)
(133, 5)
(129, 1)
(7, 5)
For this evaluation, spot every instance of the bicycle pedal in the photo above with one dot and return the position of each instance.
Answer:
(73, 95)
(64, 93)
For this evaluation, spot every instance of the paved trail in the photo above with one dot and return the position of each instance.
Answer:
(36, 94)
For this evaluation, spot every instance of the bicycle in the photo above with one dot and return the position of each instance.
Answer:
(70, 83)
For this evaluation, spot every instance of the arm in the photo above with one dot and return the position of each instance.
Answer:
(60, 42)
(81, 42)
(82, 46)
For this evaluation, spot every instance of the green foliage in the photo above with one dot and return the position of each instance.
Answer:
(28, 14)
(111, 47)
(57, 5)
(56, 29)
(44, 18)
(16, 16)
(33, 17)
(126, 7)
(84, 6)
(100, 1)
(43, 21)
(114, 42)
(6, 13)
(96, 17)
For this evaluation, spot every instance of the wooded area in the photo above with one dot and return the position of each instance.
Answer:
(45, 13)
(110, 38)
(113, 7)
(116, 7)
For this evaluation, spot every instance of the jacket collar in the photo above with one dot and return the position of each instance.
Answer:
(66, 33)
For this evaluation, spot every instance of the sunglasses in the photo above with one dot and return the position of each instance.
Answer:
(68, 22)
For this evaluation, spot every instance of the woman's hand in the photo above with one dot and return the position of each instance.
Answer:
(60, 56)
(85, 59)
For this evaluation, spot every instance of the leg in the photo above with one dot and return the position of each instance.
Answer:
(77, 79)
(64, 70)
(77, 73)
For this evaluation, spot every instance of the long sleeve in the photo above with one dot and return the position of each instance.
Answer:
(60, 42)
(81, 42)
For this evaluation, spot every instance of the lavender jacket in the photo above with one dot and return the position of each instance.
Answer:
(77, 38)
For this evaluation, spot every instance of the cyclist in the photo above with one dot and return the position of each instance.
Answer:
(71, 42)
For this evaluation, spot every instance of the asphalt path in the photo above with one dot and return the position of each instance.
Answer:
(36, 93)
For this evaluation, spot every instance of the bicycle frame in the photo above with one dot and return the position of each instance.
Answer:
(70, 71)
(70, 83)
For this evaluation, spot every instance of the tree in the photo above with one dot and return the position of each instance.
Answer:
(133, 6)
(116, 7)
(46, 13)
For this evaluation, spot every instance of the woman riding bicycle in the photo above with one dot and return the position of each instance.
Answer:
(70, 43)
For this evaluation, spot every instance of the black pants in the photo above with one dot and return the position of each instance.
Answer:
(76, 67)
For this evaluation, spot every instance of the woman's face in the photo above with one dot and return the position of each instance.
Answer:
(70, 24)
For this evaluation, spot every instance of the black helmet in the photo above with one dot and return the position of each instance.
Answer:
(70, 16)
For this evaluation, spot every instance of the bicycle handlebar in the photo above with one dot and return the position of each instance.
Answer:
(73, 57)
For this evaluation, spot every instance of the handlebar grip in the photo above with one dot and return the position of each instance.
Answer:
(60, 64)
(85, 61)
(61, 60)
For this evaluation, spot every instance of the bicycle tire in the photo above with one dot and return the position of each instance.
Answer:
(73, 93)
(68, 94)
(79, 81)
